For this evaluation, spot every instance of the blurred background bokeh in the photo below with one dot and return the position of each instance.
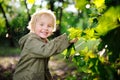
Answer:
(96, 23)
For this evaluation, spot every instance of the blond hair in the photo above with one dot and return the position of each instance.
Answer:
(37, 15)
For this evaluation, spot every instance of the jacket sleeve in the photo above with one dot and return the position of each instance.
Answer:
(37, 48)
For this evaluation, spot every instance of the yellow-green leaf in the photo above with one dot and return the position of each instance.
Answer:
(108, 20)
(74, 33)
(100, 4)
(30, 1)
(80, 4)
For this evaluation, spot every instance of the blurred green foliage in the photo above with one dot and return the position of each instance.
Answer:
(97, 53)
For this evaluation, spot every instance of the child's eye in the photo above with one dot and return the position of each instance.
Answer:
(49, 26)
(41, 24)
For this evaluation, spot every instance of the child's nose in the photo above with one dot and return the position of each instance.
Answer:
(45, 27)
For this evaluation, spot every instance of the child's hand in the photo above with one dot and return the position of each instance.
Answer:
(74, 40)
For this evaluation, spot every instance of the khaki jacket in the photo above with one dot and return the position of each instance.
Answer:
(35, 54)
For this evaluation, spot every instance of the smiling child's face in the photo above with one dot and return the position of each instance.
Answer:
(44, 26)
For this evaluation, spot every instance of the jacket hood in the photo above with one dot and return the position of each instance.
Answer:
(23, 40)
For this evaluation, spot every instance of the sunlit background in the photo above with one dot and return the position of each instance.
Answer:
(96, 23)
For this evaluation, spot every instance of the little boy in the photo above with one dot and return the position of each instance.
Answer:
(36, 49)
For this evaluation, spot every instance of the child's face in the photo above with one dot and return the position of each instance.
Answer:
(44, 26)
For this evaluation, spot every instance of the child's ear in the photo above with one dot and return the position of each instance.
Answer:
(54, 29)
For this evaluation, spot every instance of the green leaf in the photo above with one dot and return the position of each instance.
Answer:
(80, 4)
(69, 50)
(90, 44)
(30, 1)
(74, 33)
(108, 21)
(100, 4)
